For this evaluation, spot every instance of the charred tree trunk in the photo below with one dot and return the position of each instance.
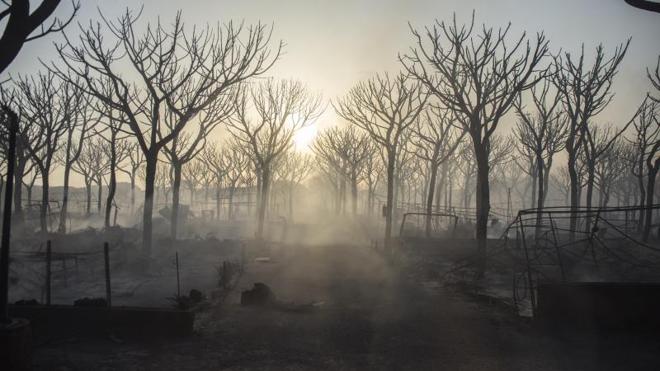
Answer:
(65, 189)
(151, 159)
(133, 193)
(574, 192)
(430, 197)
(65, 200)
(88, 193)
(540, 168)
(642, 196)
(391, 162)
(43, 211)
(354, 192)
(230, 211)
(99, 194)
(650, 188)
(217, 201)
(263, 201)
(19, 173)
(29, 194)
(483, 204)
(176, 191)
(112, 185)
(534, 185)
(591, 177)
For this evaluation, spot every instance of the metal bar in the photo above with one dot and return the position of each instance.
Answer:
(178, 282)
(532, 296)
(108, 290)
(49, 261)
(556, 243)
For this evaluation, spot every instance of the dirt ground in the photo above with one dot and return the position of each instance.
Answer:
(371, 317)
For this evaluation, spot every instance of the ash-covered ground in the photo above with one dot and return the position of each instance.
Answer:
(345, 306)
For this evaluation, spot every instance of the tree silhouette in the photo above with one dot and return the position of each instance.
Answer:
(585, 91)
(49, 104)
(135, 158)
(478, 74)
(78, 127)
(385, 107)
(21, 24)
(179, 74)
(267, 116)
(435, 139)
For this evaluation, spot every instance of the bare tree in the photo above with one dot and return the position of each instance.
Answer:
(585, 92)
(353, 148)
(646, 159)
(345, 150)
(179, 75)
(478, 75)
(185, 146)
(31, 175)
(598, 142)
(543, 132)
(609, 169)
(212, 156)
(372, 173)
(135, 158)
(294, 168)
(331, 164)
(116, 149)
(647, 135)
(385, 107)
(20, 25)
(235, 161)
(526, 162)
(508, 175)
(78, 127)
(280, 109)
(248, 179)
(49, 104)
(24, 165)
(191, 176)
(89, 162)
(654, 77)
(562, 181)
(435, 139)
(163, 180)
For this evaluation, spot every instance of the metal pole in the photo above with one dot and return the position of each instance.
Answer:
(49, 260)
(178, 283)
(6, 220)
(530, 283)
(108, 292)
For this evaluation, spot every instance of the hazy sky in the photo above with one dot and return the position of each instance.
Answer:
(332, 44)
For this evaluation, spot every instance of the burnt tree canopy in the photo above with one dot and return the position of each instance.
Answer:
(22, 25)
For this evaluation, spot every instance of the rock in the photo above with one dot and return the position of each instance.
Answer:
(196, 296)
(27, 302)
(259, 295)
(90, 302)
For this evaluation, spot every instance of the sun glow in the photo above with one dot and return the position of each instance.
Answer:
(304, 137)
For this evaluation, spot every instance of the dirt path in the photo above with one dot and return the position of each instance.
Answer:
(371, 319)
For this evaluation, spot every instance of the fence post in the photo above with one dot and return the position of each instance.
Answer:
(48, 271)
(178, 284)
(108, 292)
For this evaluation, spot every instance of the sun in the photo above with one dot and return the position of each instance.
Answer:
(303, 138)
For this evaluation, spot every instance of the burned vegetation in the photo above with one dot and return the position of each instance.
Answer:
(169, 202)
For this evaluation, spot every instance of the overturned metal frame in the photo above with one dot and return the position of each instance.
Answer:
(552, 253)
